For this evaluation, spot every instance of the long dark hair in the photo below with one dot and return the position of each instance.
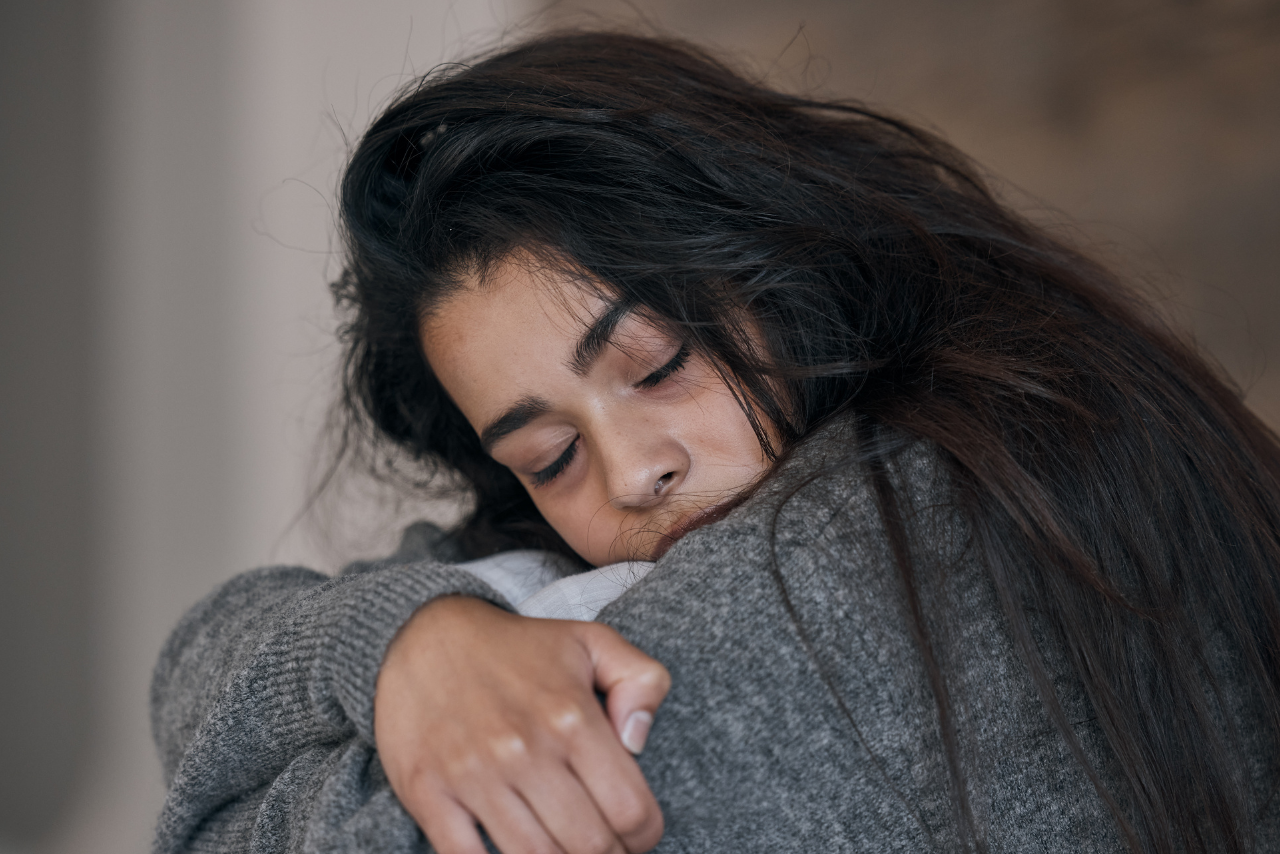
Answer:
(1115, 487)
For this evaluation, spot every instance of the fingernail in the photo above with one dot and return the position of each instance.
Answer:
(636, 731)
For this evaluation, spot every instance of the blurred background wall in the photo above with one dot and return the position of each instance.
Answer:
(166, 178)
(167, 174)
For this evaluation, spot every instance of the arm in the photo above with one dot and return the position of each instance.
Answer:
(263, 709)
(263, 697)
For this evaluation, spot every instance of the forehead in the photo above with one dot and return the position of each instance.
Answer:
(507, 334)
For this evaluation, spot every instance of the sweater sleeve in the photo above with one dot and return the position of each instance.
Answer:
(262, 710)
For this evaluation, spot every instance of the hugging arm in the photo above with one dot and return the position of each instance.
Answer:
(262, 708)
(263, 711)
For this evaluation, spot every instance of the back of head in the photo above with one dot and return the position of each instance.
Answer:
(1114, 484)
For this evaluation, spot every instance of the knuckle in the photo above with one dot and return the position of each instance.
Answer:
(462, 765)
(660, 677)
(415, 794)
(565, 720)
(508, 749)
(506, 753)
(419, 783)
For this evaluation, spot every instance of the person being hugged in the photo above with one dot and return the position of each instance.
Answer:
(922, 530)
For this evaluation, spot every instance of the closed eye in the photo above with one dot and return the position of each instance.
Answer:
(551, 472)
(670, 368)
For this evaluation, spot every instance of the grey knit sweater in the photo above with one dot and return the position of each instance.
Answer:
(772, 739)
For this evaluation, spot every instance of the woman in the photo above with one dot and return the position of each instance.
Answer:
(957, 547)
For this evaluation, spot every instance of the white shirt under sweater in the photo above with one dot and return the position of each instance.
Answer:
(542, 584)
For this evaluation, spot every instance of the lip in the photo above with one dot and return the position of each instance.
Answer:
(691, 523)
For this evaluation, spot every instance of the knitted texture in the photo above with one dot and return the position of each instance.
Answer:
(799, 719)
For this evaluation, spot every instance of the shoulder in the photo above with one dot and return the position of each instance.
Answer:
(798, 710)
(820, 505)
(795, 666)
(808, 553)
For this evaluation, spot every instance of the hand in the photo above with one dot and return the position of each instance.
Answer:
(482, 715)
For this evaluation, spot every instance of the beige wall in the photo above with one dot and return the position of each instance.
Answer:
(168, 360)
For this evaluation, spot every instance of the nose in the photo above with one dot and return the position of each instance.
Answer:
(644, 469)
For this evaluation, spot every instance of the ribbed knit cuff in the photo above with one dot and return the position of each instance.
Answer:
(370, 617)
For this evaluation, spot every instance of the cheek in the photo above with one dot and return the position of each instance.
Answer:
(572, 517)
(721, 434)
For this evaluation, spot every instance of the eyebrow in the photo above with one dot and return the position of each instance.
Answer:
(589, 347)
(596, 337)
(524, 411)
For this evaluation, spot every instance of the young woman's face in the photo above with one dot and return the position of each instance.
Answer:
(623, 438)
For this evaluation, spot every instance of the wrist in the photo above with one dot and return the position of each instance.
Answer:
(375, 607)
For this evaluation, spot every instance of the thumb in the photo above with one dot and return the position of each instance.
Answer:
(634, 684)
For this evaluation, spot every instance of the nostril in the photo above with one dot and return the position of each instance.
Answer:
(663, 482)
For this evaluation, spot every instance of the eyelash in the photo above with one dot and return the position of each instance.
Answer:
(669, 369)
(551, 472)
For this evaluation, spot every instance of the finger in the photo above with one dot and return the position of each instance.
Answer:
(448, 826)
(568, 813)
(510, 823)
(613, 780)
(634, 683)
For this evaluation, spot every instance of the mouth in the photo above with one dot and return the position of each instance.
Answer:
(691, 523)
